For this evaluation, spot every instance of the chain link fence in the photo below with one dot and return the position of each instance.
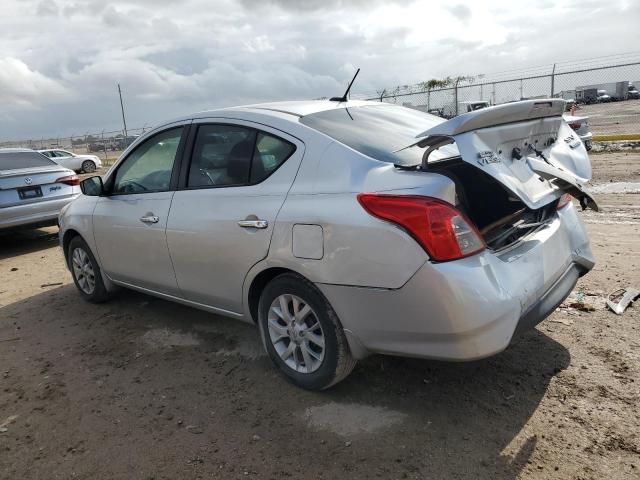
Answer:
(606, 93)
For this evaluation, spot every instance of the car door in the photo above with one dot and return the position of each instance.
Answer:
(222, 217)
(65, 159)
(129, 222)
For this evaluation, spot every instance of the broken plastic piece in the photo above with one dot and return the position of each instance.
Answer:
(619, 300)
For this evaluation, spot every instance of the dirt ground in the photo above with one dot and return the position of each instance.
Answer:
(614, 117)
(142, 388)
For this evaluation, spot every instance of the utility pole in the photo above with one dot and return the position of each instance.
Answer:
(123, 119)
(553, 78)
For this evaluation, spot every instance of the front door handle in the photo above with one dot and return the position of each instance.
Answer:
(253, 223)
(149, 219)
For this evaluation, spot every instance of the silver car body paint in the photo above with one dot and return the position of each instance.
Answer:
(388, 295)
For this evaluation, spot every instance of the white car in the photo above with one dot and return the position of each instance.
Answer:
(79, 163)
(580, 125)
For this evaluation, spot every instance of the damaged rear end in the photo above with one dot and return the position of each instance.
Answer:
(513, 165)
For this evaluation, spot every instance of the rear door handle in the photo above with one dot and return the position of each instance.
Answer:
(253, 223)
(149, 219)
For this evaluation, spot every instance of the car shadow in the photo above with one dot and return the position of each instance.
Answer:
(19, 242)
(464, 420)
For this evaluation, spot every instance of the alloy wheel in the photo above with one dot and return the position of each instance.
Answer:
(88, 166)
(296, 334)
(83, 271)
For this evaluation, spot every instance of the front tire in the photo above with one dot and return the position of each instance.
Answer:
(302, 334)
(86, 272)
(88, 166)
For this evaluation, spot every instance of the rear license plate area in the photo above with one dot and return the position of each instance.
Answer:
(28, 193)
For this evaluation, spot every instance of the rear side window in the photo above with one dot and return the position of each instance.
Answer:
(379, 131)
(17, 160)
(269, 154)
(233, 155)
(221, 156)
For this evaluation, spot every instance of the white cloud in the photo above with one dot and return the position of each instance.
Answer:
(24, 88)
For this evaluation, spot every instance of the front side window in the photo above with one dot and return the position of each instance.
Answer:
(148, 168)
(221, 156)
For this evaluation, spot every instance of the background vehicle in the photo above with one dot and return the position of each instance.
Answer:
(602, 92)
(633, 92)
(603, 97)
(449, 111)
(79, 163)
(344, 228)
(580, 125)
(33, 189)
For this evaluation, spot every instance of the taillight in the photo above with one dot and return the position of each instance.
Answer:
(575, 126)
(563, 201)
(443, 231)
(72, 180)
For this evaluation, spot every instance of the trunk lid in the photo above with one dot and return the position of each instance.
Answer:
(33, 185)
(526, 146)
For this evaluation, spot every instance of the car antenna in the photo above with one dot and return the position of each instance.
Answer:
(346, 93)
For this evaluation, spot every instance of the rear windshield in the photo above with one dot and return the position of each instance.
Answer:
(17, 160)
(377, 130)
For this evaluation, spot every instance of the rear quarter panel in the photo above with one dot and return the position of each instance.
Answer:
(358, 249)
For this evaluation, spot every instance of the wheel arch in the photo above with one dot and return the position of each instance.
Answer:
(263, 277)
(257, 285)
(69, 235)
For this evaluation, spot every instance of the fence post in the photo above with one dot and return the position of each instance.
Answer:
(521, 89)
(455, 94)
(553, 79)
(104, 147)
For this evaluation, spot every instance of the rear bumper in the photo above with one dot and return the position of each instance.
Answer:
(33, 214)
(470, 308)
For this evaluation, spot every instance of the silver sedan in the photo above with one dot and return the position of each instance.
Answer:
(33, 189)
(345, 228)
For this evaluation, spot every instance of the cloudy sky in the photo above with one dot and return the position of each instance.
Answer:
(60, 60)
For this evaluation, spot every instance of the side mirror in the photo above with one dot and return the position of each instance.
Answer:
(92, 186)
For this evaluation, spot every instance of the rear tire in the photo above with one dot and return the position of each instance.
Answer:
(88, 166)
(86, 272)
(302, 334)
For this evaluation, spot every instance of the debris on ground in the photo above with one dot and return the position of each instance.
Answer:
(564, 321)
(9, 420)
(583, 302)
(619, 300)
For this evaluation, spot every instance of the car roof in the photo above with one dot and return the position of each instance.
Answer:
(294, 108)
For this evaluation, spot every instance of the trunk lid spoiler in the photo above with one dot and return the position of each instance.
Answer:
(527, 146)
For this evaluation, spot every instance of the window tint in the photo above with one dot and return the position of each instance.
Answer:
(149, 166)
(379, 131)
(269, 154)
(221, 156)
(60, 153)
(16, 160)
(47, 154)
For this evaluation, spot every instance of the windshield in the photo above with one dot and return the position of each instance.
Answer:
(378, 131)
(17, 160)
